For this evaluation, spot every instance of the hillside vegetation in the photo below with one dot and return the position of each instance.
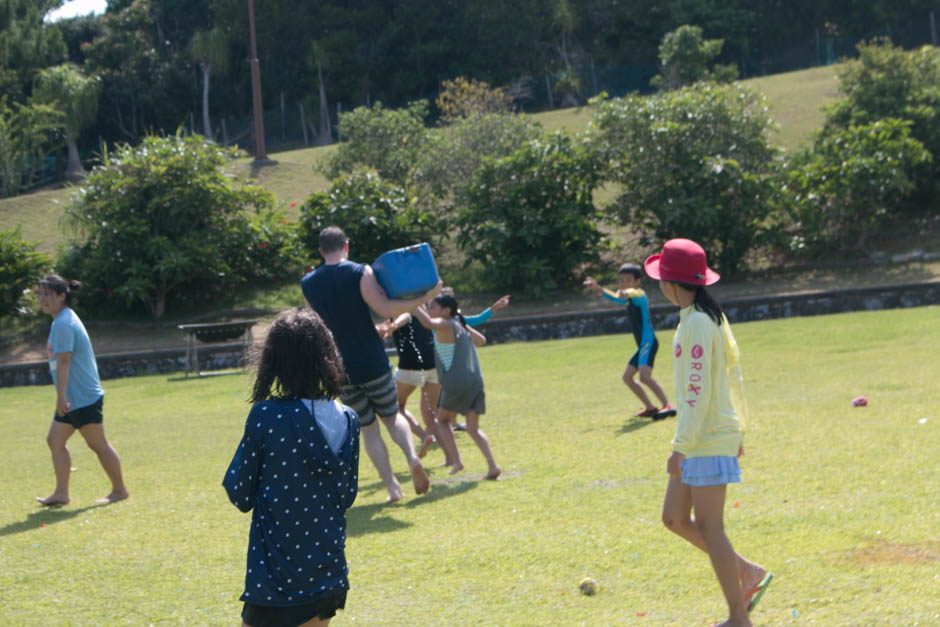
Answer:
(795, 100)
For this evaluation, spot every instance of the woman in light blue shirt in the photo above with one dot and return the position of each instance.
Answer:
(79, 397)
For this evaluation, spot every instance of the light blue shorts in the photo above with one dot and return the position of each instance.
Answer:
(705, 471)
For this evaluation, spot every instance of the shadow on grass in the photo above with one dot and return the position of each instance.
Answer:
(376, 517)
(45, 516)
(205, 375)
(632, 425)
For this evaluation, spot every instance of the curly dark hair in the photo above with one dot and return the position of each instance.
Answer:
(299, 359)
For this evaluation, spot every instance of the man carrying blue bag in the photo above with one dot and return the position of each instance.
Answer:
(341, 292)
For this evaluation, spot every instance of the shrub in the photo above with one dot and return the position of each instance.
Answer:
(462, 98)
(161, 219)
(453, 153)
(851, 183)
(388, 141)
(695, 163)
(21, 267)
(887, 82)
(26, 138)
(376, 216)
(530, 217)
(684, 58)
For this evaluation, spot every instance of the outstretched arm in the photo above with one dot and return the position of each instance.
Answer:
(486, 314)
(606, 293)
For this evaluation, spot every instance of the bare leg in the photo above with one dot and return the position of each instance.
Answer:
(709, 505)
(677, 509)
(430, 395)
(646, 378)
(447, 440)
(96, 440)
(59, 433)
(635, 387)
(398, 430)
(375, 448)
(473, 430)
(404, 391)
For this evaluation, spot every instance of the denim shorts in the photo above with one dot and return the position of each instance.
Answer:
(706, 471)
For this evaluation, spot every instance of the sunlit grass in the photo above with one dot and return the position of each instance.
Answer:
(839, 501)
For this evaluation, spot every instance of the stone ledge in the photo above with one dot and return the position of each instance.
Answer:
(527, 328)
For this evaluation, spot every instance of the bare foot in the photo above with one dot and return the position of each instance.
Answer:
(456, 468)
(729, 623)
(425, 445)
(53, 499)
(395, 494)
(493, 474)
(420, 479)
(114, 497)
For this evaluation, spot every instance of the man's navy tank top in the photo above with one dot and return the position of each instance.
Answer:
(333, 292)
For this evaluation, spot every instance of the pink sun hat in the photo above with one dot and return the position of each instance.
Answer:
(682, 261)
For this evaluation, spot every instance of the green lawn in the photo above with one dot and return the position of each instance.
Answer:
(840, 502)
(794, 100)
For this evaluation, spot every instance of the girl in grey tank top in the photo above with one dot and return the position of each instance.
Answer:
(458, 371)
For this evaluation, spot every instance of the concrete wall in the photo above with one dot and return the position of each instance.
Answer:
(525, 328)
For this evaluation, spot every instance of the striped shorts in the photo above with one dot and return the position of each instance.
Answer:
(377, 397)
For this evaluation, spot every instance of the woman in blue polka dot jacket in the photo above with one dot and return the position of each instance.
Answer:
(296, 469)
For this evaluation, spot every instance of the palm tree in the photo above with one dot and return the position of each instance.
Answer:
(68, 90)
(210, 50)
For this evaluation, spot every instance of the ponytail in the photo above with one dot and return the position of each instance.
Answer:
(59, 285)
(705, 302)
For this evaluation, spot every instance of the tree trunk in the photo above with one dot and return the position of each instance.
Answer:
(206, 125)
(75, 170)
(326, 132)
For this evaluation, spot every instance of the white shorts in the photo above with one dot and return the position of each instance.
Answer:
(417, 378)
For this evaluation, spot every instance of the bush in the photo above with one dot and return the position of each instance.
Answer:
(388, 141)
(453, 153)
(694, 163)
(376, 216)
(162, 218)
(462, 98)
(852, 183)
(530, 217)
(21, 267)
(684, 58)
(887, 82)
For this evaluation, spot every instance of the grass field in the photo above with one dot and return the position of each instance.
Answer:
(794, 100)
(840, 502)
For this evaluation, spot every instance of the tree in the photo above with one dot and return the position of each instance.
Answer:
(162, 219)
(462, 97)
(210, 50)
(375, 215)
(530, 217)
(21, 267)
(684, 58)
(389, 141)
(888, 82)
(65, 88)
(695, 162)
(851, 184)
(27, 45)
(26, 138)
(453, 153)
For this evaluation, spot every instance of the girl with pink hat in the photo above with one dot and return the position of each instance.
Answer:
(712, 416)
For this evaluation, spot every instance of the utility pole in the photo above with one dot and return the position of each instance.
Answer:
(260, 154)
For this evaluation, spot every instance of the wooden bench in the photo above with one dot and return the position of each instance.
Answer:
(212, 333)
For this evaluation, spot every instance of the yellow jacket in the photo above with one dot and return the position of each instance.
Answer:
(712, 413)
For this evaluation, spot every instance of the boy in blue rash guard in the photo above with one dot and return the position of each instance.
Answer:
(633, 296)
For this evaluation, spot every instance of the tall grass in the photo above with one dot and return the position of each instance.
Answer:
(840, 502)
